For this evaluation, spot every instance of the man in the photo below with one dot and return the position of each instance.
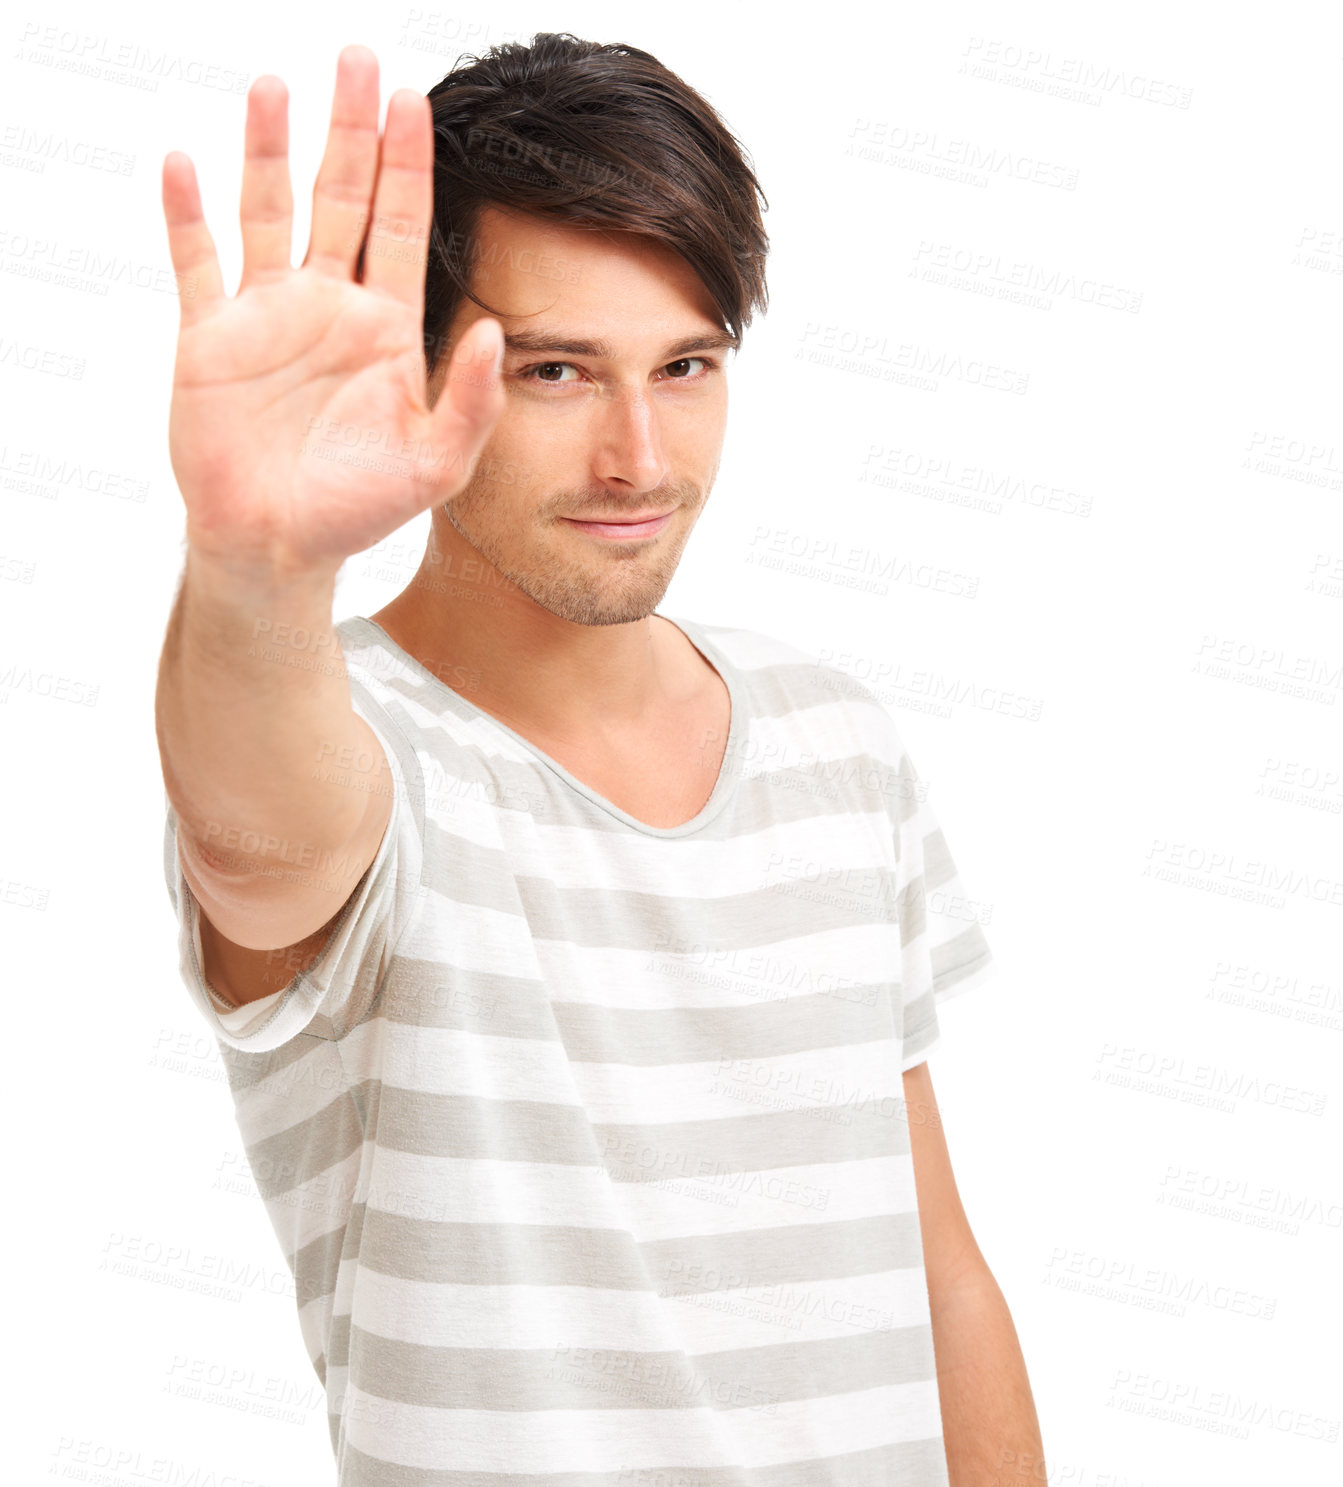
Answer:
(562, 955)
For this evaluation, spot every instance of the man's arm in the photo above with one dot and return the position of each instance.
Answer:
(242, 734)
(271, 843)
(252, 693)
(989, 1422)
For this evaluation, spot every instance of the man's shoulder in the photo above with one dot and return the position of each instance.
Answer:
(386, 679)
(761, 650)
(794, 680)
(366, 649)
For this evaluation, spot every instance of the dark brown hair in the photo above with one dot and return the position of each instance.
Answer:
(600, 136)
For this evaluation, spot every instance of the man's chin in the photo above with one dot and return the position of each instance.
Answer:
(568, 590)
(586, 607)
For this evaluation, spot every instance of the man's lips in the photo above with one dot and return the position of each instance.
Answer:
(622, 527)
(621, 517)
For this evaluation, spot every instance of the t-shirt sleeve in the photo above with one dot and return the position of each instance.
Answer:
(943, 948)
(338, 989)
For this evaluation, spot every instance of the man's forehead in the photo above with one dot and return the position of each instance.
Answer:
(578, 290)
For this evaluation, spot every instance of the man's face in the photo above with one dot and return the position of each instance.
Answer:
(631, 423)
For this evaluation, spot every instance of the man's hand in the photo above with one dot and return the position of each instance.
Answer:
(299, 429)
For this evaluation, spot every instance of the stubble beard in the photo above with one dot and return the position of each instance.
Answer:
(633, 582)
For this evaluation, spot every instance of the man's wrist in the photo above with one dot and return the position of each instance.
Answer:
(228, 578)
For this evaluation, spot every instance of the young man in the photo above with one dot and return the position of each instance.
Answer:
(574, 967)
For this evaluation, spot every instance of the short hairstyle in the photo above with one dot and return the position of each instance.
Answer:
(599, 136)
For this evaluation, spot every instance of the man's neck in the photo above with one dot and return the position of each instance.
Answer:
(542, 675)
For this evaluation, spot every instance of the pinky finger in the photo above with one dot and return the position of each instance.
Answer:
(200, 285)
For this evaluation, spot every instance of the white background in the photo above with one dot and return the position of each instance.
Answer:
(1105, 610)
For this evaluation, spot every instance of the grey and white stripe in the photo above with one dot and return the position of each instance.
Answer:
(585, 1139)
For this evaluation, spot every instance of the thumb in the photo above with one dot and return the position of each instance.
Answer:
(472, 398)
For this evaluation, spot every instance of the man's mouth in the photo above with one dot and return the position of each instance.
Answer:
(622, 528)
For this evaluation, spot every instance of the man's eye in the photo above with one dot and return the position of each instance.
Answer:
(543, 371)
(550, 366)
(685, 362)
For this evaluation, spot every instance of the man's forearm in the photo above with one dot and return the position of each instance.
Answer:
(252, 690)
(989, 1422)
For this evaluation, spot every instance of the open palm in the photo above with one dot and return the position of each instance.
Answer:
(299, 430)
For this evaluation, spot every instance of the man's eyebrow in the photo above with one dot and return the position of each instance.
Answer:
(541, 340)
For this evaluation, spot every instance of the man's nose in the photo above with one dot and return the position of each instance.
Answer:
(630, 440)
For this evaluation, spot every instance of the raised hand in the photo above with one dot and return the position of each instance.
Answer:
(299, 428)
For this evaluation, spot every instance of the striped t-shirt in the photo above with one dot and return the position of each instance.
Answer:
(584, 1138)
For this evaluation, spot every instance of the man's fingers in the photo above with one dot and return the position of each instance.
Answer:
(344, 185)
(398, 237)
(200, 286)
(267, 208)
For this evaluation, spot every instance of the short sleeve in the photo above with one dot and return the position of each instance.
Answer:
(338, 989)
(943, 948)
